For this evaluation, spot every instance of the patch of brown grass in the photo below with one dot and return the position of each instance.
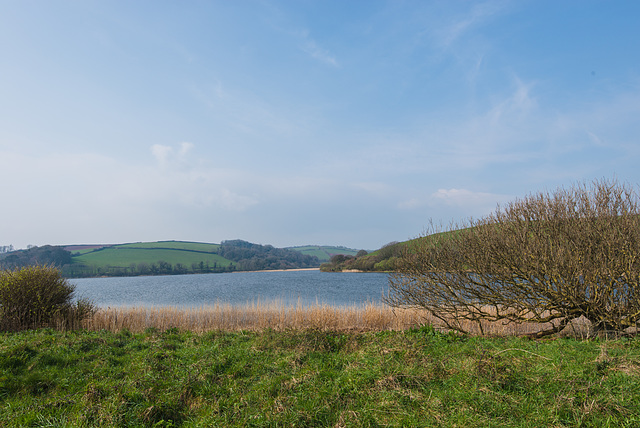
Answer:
(255, 316)
(278, 316)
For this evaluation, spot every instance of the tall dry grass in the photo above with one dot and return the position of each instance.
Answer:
(255, 316)
(278, 316)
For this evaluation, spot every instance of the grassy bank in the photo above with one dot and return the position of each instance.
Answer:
(311, 377)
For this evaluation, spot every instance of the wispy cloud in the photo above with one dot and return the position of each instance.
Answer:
(517, 105)
(462, 200)
(466, 198)
(237, 110)
(311, 47)
(302, 37)
(166, 155)
(479, 14)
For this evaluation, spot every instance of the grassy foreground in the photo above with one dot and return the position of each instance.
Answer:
(314, 377)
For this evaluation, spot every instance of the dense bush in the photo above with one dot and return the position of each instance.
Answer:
(550, 258)
(38, 296)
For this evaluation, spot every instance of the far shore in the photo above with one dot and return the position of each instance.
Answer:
(277, 270)
(298, 270)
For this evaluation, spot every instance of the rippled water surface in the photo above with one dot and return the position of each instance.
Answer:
(292, 287)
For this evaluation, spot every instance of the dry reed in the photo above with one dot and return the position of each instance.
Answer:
(278, 316)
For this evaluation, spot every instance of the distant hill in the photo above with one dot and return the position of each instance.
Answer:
(323, 252)
(146, 258)
(181, 257)
(384, 259)
(159, 258)
(171, 257)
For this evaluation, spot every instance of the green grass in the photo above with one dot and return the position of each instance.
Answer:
(124, 256)
(177, 245)
(314, 378)
(83, 251)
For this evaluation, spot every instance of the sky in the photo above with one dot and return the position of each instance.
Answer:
(298, 122)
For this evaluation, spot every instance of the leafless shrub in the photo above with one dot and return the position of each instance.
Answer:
(550, 258)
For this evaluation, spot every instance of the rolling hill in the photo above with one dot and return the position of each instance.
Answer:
(180, 257)
(170, 257)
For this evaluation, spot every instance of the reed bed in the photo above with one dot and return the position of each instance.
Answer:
(257, 316)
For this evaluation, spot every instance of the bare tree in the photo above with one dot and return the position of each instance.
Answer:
(549, 258)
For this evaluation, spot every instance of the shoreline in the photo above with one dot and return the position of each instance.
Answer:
(276, 270)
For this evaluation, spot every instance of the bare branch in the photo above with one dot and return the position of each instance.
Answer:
(548, 258)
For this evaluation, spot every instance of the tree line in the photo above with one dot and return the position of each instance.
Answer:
(44, 255)
(250, 256)
(160, 267)
(6, 249)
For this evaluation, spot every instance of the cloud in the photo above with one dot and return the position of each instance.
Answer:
(236, 110)
(236, 202)
(323, 55)
(194, 184)
(476, 16)
(185, 148)
(161, 153)
(61, 198)
(165, 155)
(516, 106)
(462, 197)
(411, 204)
(467, 201)
(373, 188)
(462, 200)
(307, 44)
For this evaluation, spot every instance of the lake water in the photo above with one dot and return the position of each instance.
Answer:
(237, 288)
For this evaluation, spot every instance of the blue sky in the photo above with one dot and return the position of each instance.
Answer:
(304, 122)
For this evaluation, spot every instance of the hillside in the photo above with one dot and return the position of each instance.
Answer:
(384, 259)
(170, 257)
(180, 257)
(323, 252)
(147, 258)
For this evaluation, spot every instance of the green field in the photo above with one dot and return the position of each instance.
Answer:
(123, 256)
(80, 252)
(176, 245)
(181, 257)
(140, 258)
(314, 378)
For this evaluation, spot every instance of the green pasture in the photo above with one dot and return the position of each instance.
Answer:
(176, 245)
(124, 256)
(83, 251)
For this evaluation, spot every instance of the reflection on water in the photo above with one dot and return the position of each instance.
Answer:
(288, 288)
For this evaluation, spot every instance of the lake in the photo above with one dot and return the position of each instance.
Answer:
(288, 288)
